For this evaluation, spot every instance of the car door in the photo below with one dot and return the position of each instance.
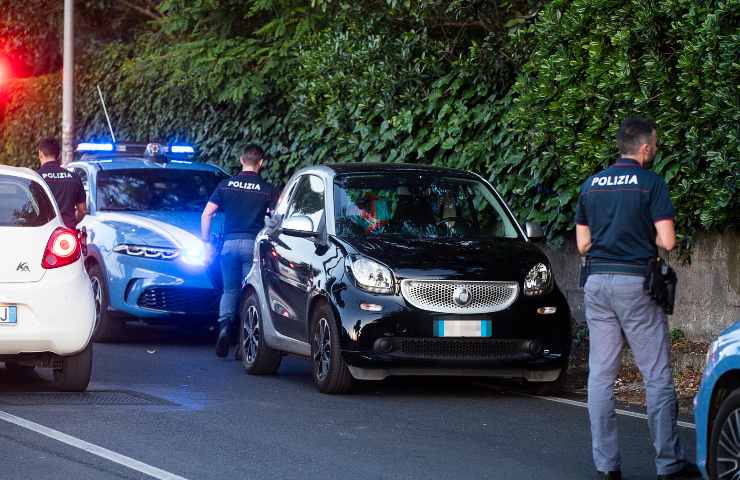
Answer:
(291, 257)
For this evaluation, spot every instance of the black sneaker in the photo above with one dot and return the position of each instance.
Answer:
(613, 475)
(689, 470)
(222, 344)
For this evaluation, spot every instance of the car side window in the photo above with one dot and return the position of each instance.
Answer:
(282, 204)
(309, 200)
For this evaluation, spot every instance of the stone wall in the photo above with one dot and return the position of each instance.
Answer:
(708, 296)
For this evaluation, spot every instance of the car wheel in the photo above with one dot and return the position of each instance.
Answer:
(724, 443)
(107, 327)
(330, 372)
(74, 375)
(256, 357)
(549, 388)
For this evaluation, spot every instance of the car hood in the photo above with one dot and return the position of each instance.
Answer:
(497, 259)
(159, 229)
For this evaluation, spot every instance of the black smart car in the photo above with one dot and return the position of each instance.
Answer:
(372, 270)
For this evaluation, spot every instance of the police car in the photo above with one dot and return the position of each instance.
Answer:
(145, 257)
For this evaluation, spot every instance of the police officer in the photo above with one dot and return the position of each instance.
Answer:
(244, 199)
(624, 213)
(66, 186)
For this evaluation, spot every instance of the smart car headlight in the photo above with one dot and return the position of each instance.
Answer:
(538, 280)
(161, 253)
(371, 276)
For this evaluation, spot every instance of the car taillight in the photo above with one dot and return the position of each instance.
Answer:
(62, 248)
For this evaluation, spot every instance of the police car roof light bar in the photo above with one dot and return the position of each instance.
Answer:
(95, 147)
(181, 149)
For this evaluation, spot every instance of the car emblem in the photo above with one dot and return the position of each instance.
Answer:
(22, 267)
(461, 296)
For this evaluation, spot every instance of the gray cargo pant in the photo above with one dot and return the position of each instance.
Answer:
(617, 308)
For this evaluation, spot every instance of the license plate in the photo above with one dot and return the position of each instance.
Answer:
(8, 315)
(462, 328)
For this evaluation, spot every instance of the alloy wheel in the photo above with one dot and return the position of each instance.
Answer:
(322, 349)
(251, 335)
(98, 296)
(728, 451)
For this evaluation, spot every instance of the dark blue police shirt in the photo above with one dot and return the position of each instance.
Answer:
(244, 198)
(620, 205)
(67, 189)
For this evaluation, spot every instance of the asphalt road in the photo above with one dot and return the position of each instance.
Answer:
(162, 400)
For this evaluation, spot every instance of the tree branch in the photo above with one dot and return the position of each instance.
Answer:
(153, 14)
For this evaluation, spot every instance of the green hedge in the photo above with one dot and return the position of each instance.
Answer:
(531, 102)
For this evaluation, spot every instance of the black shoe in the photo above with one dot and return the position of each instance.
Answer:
(689, 470)
(614, 475)
(222, 344)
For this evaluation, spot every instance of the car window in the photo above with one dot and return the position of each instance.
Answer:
(309, 200)
(23, 203)
(282, 204)
(82, 173)
(155, 190)
(420, 206)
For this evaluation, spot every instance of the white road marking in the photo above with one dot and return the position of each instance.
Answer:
(91, 448)
(626, 413)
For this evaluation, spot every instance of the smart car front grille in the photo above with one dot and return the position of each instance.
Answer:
(467, 349)
(180, 300)
(449, 296)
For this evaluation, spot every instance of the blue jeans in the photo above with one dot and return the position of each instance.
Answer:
(236, 261)
(618, 309)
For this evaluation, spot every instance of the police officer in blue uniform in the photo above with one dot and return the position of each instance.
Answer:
(244, 199)
(624, 213)
(66, 186)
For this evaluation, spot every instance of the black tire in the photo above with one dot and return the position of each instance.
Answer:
(74, 376)
(256, 356)
(107, 327)
(330, 372)
(727, 421)
(549, 388)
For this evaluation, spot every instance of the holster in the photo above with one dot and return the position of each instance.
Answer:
(584, 271)
(660, 283)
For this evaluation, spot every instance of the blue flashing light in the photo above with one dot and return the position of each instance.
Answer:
(95, 147)
(182, 149)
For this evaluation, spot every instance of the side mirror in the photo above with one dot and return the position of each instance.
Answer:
(535, 232)
(298, 225)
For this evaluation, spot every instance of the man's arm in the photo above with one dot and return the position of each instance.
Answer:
(81, 211)
(666, 234)
(205, 221)
(583, 239)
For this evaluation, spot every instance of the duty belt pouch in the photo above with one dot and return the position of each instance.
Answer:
(660, 284)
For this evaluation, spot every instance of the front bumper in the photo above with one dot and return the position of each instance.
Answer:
(159, 291)
(55, 314)
(400, 339)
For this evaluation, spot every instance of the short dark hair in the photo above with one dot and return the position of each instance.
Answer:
(252, 154)
(49, 147)
(633, 132)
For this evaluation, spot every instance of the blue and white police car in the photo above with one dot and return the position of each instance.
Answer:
(145, 258)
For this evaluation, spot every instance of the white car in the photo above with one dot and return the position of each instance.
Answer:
(47, 307)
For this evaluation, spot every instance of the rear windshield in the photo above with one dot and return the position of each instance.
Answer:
(156, 190)
(23, 203)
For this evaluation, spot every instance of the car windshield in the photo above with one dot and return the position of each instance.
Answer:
(421, 206)
(158, 190)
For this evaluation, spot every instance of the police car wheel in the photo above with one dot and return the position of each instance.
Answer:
(107, 327)
(74, 375)
(330, 372)
(256, 356)
(723, 460)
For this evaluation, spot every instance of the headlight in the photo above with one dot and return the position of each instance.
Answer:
(711, 357)
(161, 253)
(195, 255)
(538, 281)
(372, 276)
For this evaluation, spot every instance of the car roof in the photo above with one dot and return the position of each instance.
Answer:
(132, 162)
(19, 172)
(344, 168)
